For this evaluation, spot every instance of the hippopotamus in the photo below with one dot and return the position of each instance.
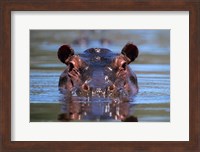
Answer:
(98, 73)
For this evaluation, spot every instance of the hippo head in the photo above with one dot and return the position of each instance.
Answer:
(98, 72)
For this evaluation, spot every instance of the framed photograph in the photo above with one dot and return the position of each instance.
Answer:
(82, 76)
(101, 93)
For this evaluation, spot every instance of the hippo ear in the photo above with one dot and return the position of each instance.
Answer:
(64, 52)
(131, 51)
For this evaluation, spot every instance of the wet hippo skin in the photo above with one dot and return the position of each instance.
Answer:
(98, 72)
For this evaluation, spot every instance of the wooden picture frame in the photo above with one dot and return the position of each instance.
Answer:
(6, 6)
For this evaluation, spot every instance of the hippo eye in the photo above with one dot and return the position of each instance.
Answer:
(71, 66)
(124, 66)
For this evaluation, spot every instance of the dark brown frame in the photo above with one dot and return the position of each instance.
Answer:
(6, 6)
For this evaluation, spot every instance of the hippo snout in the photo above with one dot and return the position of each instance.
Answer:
(106, 91)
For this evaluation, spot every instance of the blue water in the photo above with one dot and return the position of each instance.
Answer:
(153, 87)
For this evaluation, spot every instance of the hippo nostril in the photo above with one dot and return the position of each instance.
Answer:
(111, 88)
(85, 87)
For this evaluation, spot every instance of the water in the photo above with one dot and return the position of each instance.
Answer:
(152, 68)
(153, 88)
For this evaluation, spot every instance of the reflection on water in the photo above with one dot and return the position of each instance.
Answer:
(96, 111)
(152, 68)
